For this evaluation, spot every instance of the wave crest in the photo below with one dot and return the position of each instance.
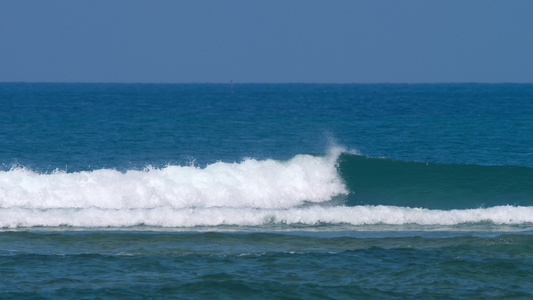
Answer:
(250, 183)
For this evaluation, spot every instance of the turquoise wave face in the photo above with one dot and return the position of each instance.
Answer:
(378, 181)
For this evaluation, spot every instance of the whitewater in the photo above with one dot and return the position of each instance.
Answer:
(304, 190)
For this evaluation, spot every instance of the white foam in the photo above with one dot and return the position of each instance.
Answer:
(250, 183)
(213, 216)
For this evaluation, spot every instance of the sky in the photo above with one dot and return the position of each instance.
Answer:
(270, 41)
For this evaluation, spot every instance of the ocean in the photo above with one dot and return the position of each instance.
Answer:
(266, 191)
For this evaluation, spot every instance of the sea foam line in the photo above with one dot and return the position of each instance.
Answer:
(215, 216)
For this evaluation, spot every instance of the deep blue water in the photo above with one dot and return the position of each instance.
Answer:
(266, 191)
(116, 125)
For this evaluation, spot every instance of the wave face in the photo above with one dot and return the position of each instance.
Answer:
(305, 190)
(376, 181)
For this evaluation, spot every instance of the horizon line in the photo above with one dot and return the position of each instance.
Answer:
(259, 82)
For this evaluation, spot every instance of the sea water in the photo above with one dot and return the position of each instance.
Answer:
(289, 191)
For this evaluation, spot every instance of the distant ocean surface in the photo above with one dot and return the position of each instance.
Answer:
(266, 191)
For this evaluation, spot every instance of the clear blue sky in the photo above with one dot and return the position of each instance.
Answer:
(273, 41)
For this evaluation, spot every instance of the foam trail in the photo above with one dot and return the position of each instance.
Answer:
(214, 216)
(250, 183)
